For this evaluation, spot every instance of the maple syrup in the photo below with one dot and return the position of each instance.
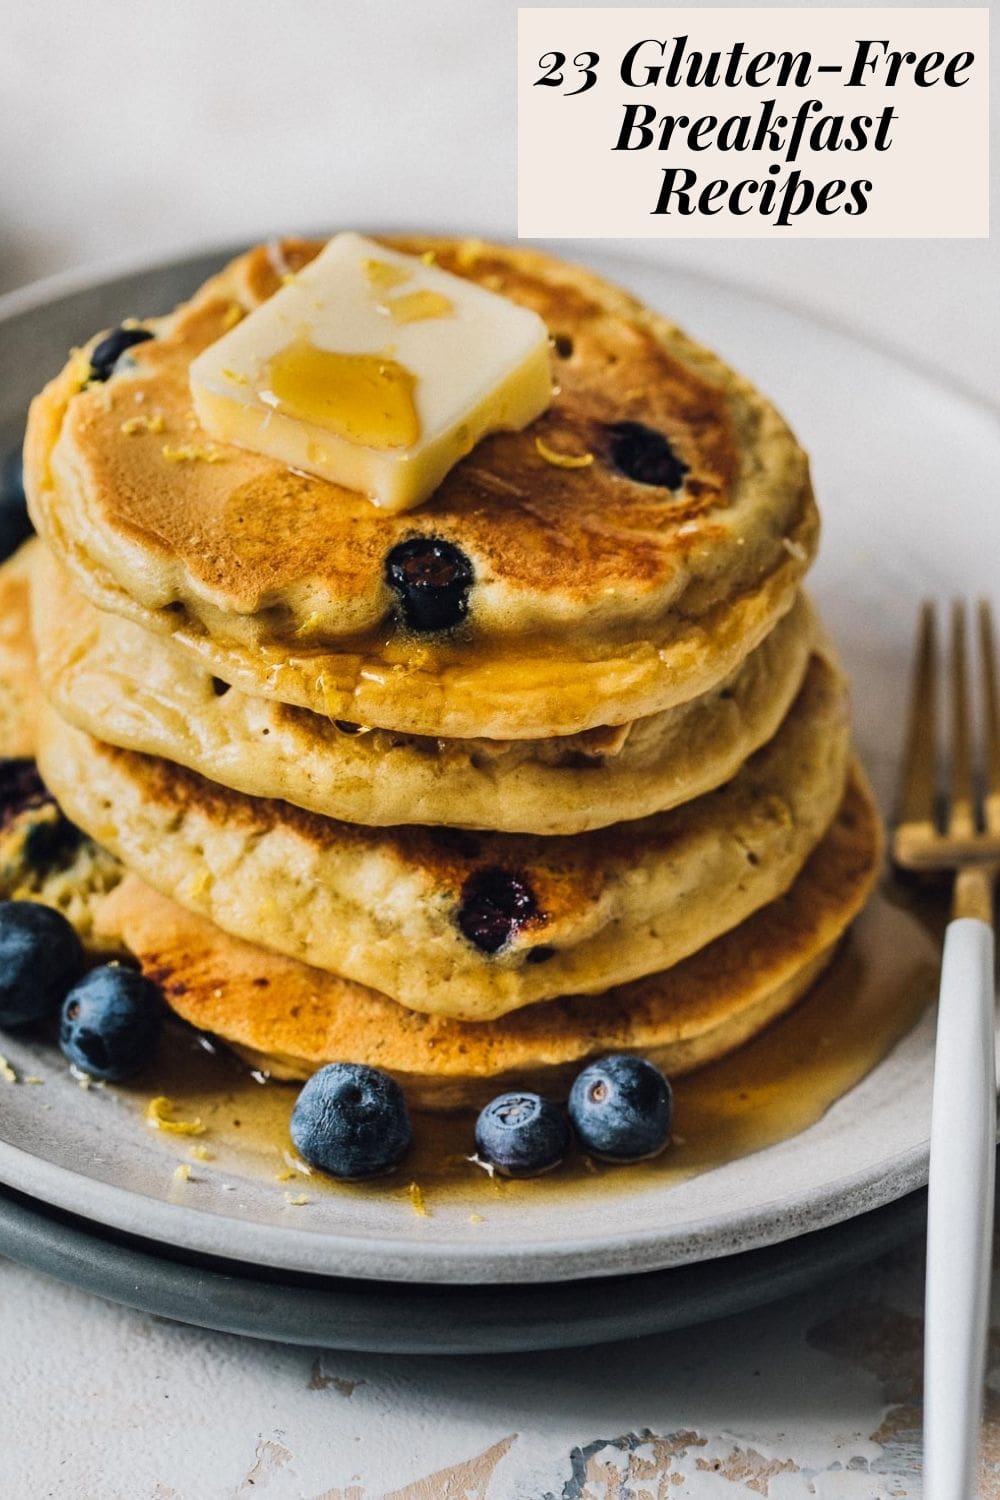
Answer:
(383, 275)
(419, 307)
(772, 1088)
(364, 398)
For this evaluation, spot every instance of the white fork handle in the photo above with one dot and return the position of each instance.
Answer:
(959, 1212)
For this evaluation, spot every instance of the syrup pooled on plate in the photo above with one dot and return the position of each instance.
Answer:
(776, 1086)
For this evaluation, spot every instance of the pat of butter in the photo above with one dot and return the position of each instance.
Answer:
(375, 370)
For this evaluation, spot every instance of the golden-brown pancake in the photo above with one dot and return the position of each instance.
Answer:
(291, 1019)
(19, 691)
(463, 924)
(597, 597)
(42, 856)
(137, 690)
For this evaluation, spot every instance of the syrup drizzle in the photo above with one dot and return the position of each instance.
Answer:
(774, 1087)
(366, 399)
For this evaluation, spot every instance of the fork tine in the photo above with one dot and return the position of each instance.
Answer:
(918, 785)
(991, 717)
(961, 811)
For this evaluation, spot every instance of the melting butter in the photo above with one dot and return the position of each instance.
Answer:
(307, 379)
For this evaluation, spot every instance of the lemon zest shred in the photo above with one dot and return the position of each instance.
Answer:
(415, 1194)
(234, 314)
(158, 1112)
(6, 1071)
(296, 1200)
(79, 368)
(309, 624)
(142, 423)
(563, 460)
(182, 1172)
(186, 453)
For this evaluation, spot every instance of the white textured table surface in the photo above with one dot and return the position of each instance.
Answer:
(136, 131)
(815, 1398)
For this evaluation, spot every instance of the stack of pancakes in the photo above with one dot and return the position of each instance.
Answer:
(586, 786)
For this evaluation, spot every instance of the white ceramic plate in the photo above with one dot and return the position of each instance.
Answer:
(905, 470)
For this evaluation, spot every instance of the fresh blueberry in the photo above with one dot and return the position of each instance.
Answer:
(40, 957)
(521, 1135)
(431, 579)
(50, 840)
(109, 351)
(21, 788)
(14, 522)
(495, 903)
(644, 455)
(46, 836)
(351, 1121)
(110, 1022)
(621, 1108)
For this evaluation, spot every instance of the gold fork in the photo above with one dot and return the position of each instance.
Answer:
(949, 820)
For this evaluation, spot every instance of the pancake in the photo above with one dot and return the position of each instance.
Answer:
(136, 690)
(280, 1014)
(290, 1019)
(461, 924)
(596, 599)
(19, 693)
(42, 856)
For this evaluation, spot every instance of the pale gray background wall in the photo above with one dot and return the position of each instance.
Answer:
(135, 129)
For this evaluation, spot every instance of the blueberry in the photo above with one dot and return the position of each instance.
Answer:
(40, 957)
(521, 1135)
(431, 579)
(21, 788)
(110, 1022)
(621, 1108)
(49, 839)
(495, 903)
(14, 522)
(351, 1121)
(107, 353)
(643, 454)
